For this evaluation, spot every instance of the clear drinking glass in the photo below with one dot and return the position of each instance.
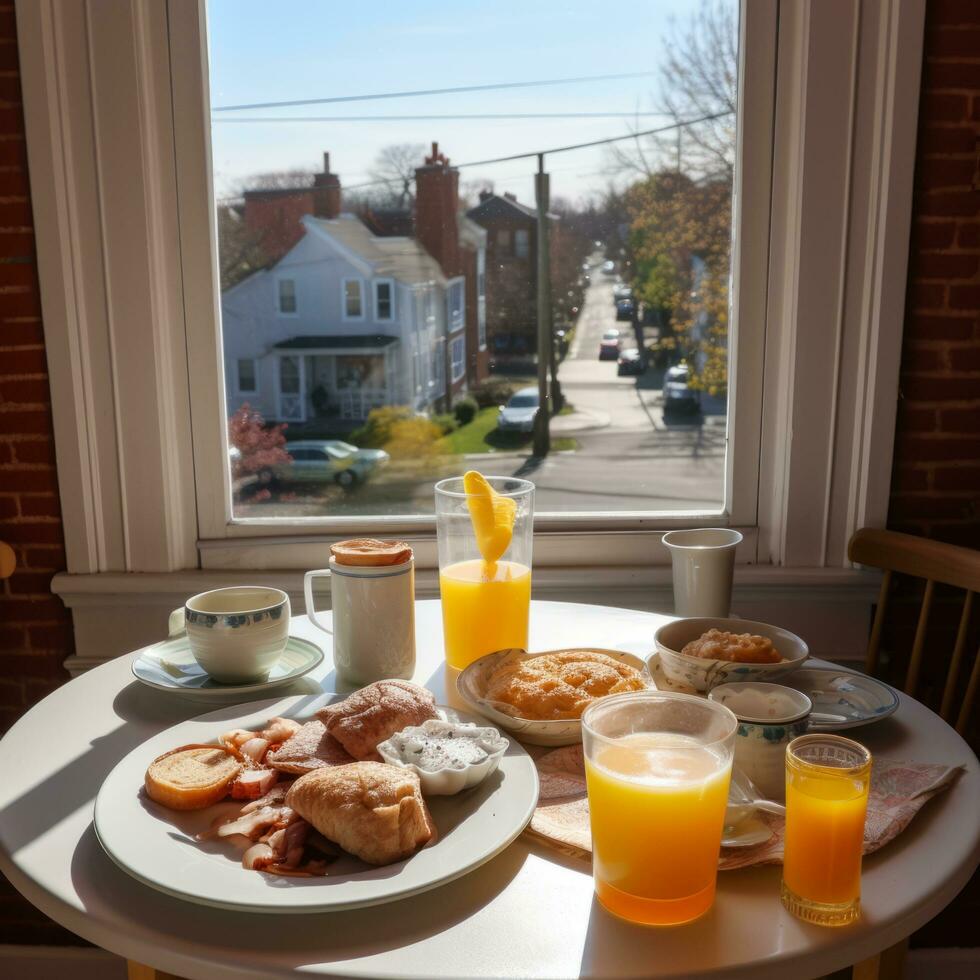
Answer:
(485, 605)
(657, 766)
(827, 782)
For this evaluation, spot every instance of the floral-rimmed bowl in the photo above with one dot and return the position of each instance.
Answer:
(702, 673)
(472, 684)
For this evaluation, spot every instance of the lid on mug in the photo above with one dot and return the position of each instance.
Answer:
(370, 552)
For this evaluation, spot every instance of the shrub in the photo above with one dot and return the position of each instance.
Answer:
(260, 446)
(447, 422)
(377, 429)
(494, 391)
(413, 439)
(465, 410)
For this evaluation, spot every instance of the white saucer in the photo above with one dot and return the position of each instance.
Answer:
(170, 666)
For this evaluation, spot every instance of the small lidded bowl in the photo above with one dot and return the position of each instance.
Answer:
(703, 673)
(769, 717)
(447, 756)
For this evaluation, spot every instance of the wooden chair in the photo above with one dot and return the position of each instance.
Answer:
(934, 561)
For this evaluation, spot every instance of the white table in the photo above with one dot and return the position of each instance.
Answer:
(527, 913)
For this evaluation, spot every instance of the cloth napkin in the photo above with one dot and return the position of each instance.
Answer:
(898, 791)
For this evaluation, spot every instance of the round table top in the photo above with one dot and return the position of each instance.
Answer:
(530, 912)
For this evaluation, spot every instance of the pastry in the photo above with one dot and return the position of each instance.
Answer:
(558, 685)
(191, 778)
(370, 552)
(310, 748)
(744, 648)
(374, 811)
(375, 712)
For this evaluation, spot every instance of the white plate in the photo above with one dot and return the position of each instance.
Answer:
(170, 666)
(857, 698)
(157, 846)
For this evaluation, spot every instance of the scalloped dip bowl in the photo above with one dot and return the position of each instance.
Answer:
(471, 685)
(703, 674)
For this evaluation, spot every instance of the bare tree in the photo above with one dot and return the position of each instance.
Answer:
(395, 164)
(698, 77)
(275, 180)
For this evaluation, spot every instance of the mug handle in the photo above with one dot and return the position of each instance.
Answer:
(308, 592)
(176, 624)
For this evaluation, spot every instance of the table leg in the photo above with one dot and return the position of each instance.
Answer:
(140, 971)
(889, 964)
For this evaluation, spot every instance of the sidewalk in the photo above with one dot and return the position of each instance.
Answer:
(581, 420)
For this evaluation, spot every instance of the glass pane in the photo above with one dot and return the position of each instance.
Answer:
(398, 198)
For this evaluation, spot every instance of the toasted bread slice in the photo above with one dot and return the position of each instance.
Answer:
(192, 778)
(310, 748)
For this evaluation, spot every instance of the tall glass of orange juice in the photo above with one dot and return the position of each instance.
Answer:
(484, 530)
(827, 782)
(657, 767)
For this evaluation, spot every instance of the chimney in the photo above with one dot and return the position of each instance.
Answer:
(485, 195)
(326, 192)
(436, 206)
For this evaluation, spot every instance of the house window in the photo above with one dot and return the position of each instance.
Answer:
(522, 243)
(384, 299)
(455, 304)
(353, 299)
(287, 295)
(503, 240)
(247, 376)
(459, 357)
(481, 301)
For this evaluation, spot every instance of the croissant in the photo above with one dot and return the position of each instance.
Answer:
(371, 810)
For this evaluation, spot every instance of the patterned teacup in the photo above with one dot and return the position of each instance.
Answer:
(236, 634)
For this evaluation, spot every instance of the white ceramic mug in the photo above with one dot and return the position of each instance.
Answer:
(237, 634)
(373, 619)
(703, 566)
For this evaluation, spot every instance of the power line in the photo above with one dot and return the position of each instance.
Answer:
(433, 91)
(438, 117)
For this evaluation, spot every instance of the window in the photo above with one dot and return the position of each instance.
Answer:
(522, 241)
(353, 299)
(384, 299)
(481, 300)
(455, 304)
(287, 295)
(459, 358)
(503, 241)
(247, 377)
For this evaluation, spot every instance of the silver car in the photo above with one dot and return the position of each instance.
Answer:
(329, 461)
(519, 413)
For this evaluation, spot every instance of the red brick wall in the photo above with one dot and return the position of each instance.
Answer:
(936, 478)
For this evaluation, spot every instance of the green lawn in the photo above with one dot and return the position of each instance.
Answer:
(481, 436)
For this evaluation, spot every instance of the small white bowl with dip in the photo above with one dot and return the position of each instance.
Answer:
(769, 717)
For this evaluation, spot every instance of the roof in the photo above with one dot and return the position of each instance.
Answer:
(324, 341)
(401, 258)
(502, 206)
(470, 233)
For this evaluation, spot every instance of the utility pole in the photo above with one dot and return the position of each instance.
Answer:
(542, 437)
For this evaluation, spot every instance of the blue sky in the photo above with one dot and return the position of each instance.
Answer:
(297, 49)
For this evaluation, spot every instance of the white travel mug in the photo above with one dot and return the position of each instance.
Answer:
(373, 619)
(703, 566)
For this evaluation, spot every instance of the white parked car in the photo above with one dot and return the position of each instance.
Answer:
(519, 413)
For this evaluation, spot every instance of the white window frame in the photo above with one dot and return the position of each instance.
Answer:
(456, 318)
(390, 283)
(279, 310)
(459, 341)
(238, 376)
(344, 315)
(116, 112)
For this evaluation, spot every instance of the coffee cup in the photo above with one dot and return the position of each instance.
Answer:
(769, 717)
(236, 634)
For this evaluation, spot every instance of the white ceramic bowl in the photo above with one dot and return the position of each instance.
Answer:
(472, 682)
(703, 674)
(445, 781)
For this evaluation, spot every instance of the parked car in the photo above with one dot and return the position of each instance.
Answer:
(609, 345)
(329, 461)
(519, 413)
(631, 361)
(678, 397)
(624, 309)
(609, 268)
(622, 290)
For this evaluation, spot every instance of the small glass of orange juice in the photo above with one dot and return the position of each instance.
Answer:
(827, 782)
(484, 531)
(657, 768)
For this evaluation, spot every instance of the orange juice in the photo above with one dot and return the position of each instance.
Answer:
(484, 608)
(825, 813)
(657, 807)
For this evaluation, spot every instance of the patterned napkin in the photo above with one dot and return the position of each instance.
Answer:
(898, 792)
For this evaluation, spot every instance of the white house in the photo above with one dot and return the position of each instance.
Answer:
(345, 322)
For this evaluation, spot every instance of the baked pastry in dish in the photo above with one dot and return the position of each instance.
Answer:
(558, 685)
(744, 648)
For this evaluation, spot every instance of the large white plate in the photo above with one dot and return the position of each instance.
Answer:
(158, 846)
